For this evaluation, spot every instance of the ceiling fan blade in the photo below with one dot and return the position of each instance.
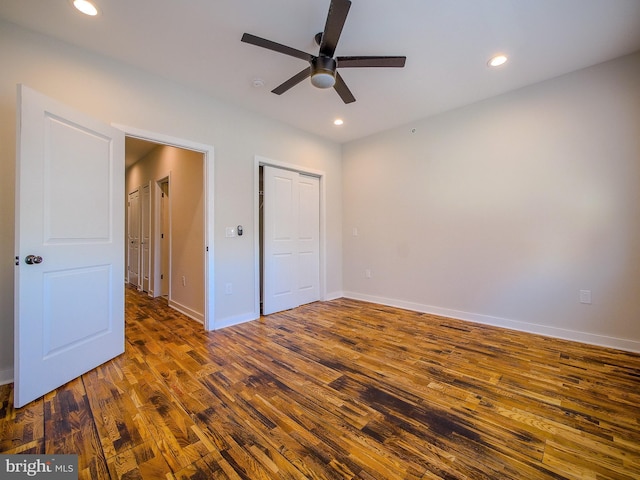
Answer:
(276, 47)
(292, 82)
(349, 62)
(343, 90)
(336, 17)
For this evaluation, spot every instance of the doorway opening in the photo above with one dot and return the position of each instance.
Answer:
(175, 252)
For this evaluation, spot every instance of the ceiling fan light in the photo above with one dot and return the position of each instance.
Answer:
(323, 72)
(323, 80)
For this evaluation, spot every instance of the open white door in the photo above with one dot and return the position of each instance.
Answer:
(69, 300)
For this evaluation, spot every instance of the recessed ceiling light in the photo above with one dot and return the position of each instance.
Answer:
(86, 7)
(497, 60)
(338, 121)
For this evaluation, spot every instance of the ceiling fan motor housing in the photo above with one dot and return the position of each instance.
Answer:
(323, 72)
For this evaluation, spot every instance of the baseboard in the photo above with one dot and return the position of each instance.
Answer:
(573, 335)
(333, 296)
(6, 376)
(187, 311)
(235, 320)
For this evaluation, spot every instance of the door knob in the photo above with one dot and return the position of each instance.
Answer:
(31, 259)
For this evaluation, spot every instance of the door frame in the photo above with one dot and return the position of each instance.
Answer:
(260, 161)
(208, 181)
(162, 210)
(145, 258)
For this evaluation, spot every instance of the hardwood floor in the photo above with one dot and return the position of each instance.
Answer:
(336, 390)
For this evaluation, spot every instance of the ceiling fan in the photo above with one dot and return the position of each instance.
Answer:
(323, 68)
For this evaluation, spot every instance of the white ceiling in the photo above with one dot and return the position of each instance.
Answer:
(136, 149)
(447, 44)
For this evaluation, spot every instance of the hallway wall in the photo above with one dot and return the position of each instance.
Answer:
(185, 169)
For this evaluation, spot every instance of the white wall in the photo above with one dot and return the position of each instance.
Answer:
(114, 92)
(501, 212)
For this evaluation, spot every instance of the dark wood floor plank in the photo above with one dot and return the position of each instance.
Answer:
(337, 390)
(118, 421)
(142, 461)
(211, 467)
(22, 430)
(69, 429)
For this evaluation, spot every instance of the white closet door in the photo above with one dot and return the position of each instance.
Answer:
(133, 238)
(280, 240)
(145, 236)
(308, 239)
(291, 239)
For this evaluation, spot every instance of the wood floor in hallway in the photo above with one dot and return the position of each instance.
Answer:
(339, 390)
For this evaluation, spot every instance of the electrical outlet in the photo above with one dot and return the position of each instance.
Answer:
(367, 273)
(585, 296)
(184, 281)
(228, 288)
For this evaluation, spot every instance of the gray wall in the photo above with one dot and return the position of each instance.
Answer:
(501, 212)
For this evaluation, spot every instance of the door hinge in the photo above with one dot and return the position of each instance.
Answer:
(17, 260)
(161, 276)
(162, 235)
